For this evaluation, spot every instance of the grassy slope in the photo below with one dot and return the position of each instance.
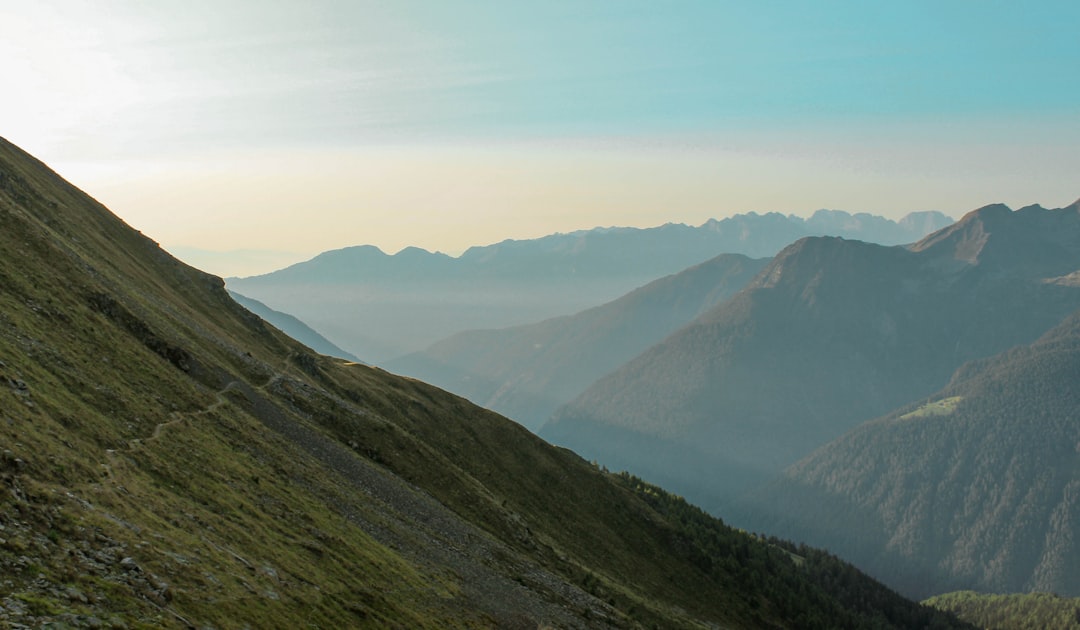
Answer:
(171, 460)
(82, 338)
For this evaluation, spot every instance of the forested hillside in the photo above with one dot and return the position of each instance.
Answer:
(976, 487)
(1028, 611)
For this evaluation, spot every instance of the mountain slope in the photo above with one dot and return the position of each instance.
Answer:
(526, 372)
(978, 488)
(1030, 611)
(293, 327)
(170, 460)
(832, 332)
(415, 298)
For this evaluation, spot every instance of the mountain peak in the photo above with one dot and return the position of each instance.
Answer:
(965, 239)
(415, 252)
(1033, 236)
(807, 261)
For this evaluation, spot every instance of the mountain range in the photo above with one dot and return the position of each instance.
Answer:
(831, 333)
(380, 306)
(171, 460)
(526, 372)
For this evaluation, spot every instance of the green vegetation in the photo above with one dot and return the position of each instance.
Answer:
(935, 408)
(1026, 611)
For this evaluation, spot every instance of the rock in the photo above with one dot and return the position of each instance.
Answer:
(76, 595)
(165, 593)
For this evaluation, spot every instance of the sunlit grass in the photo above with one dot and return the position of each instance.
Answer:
(942, 407)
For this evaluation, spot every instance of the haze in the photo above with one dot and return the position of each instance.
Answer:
(246, 135)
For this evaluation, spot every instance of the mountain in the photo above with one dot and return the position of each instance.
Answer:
(831, 333)
(977, 487)
(381, 306)
(169, 459)
(293, 327)
(526, 372)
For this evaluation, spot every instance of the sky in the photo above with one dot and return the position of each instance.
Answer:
(245, 135)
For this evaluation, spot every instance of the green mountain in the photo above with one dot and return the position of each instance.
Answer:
(526, 372)
(171, 460)
(382, 306)
(293, 327)
(1020, 611)
(977, 487)
(831, 333)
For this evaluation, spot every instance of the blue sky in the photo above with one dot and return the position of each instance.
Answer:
(288, 128)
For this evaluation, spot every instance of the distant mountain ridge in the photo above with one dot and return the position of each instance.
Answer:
(611, 250)
(526, 372)
(381, 306)
(831, 333)
(616, 249)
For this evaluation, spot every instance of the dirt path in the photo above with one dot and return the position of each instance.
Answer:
(178, 417)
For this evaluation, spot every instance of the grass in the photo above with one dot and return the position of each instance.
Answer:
(937, 408)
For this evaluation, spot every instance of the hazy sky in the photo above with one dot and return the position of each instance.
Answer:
(289, 128)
